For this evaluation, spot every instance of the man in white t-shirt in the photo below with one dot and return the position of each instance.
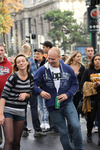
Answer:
(60, 83)
(56, 76)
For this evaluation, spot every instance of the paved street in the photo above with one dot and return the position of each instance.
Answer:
(51, 142)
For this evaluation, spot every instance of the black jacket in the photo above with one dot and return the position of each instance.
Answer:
(42, 62)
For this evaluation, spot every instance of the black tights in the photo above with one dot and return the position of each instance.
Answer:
(12, 131)
(92, 115)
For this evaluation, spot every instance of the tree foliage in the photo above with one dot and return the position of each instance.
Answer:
(6, 8)
(65, 30)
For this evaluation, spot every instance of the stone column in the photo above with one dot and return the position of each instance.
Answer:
(25, 28)
(14, 42)
(46, 27)
(8, 42)
(19, 35)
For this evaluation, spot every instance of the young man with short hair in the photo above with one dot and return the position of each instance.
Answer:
(89, 54)
(40, 61)
(47, 45)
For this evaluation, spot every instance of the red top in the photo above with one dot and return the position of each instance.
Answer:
(5, 71)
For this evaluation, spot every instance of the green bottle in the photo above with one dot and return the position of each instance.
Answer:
(57, 103)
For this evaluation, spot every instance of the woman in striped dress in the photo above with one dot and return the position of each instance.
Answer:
(13, 101)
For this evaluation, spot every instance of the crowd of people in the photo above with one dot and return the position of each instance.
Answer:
(54, 85)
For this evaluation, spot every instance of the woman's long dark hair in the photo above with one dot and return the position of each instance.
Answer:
(92, 61)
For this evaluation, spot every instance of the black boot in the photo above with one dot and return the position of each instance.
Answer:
(89, 138)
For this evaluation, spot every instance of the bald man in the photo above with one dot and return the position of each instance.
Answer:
(60, 83)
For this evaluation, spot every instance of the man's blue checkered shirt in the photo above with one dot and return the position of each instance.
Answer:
(33, 68)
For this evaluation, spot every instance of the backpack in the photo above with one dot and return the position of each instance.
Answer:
(15, 78)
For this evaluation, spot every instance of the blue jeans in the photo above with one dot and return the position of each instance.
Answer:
(59, 120)
(43, 110)
(96, 121)
(14, 117)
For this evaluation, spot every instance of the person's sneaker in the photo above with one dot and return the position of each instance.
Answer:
(52, 131)
(95, 129)
(46, 126)
(25, 133)
(89, 138)
(42, 126)
(39, 134)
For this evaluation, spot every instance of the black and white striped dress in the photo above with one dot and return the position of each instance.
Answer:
(11, 94)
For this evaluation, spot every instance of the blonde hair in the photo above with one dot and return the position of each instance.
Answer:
(26, 48)
(70, 59)
(15, 68)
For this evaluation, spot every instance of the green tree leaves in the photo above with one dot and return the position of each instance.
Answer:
(6, 8)
(65, 29)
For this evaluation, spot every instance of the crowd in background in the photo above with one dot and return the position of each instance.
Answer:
(25, 68)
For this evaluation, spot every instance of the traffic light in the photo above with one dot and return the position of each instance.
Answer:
(30, 38)
(92, 2)
(33, 36)
(97, 2)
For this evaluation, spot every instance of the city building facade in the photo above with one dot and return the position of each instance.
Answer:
(30, 21)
